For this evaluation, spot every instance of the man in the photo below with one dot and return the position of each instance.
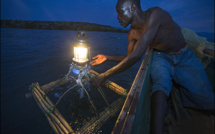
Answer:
(172, 59)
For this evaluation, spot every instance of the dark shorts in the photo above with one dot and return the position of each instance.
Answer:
(187, 71)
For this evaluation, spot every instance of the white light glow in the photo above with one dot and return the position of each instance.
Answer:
(80, 54)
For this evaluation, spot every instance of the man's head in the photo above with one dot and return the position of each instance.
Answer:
(126, 10)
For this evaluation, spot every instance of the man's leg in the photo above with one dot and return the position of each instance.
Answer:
(158, 111)
(196, 91)
(161, 88)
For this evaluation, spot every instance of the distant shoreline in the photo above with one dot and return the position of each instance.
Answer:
(75, 26)
(59, 25)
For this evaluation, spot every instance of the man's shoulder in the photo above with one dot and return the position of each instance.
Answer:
(156, 10)
(156, 13)
(133, 34)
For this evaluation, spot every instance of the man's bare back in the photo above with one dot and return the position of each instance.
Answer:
(168, 38)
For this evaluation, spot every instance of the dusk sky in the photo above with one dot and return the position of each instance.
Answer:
(197, 15)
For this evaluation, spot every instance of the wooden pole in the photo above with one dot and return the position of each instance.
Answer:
(111, 85)
(52, 85)
(49, 112)
(52, 124)
(97, 122)
(54, 110)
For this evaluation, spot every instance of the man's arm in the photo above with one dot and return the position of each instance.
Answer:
(115, 58)
(99, 59)
(139, 47)
(122, 57)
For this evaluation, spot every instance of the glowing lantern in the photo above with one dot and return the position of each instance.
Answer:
(81, 49)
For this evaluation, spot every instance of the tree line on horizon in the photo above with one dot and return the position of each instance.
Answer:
(59, 25)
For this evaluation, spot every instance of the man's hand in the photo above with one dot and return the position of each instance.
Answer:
(98, 80)
(99, 59)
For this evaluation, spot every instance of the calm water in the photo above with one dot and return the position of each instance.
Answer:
(43, 56)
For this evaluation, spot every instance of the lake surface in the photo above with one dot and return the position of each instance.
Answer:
(29, 56)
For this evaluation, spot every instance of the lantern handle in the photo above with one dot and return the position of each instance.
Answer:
(81, 34)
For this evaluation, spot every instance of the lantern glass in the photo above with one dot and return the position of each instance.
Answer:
(81, 49)
(80, 54)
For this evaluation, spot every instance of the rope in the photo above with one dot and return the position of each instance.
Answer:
(108, 84)
(72, 132)
(43, 96)
(125, 93)
(40, 97)
(32, 87)
(51, 110)
(103, 95)
(89, 98)
(63, 95)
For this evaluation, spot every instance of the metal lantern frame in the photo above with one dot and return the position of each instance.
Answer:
(81, 41)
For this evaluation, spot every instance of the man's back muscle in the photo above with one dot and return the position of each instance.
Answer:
(168, 37)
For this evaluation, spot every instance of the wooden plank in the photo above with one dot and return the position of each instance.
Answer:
(142, 116)
(126, 118)
(138, 99)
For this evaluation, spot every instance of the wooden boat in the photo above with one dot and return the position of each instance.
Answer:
(134, 117)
